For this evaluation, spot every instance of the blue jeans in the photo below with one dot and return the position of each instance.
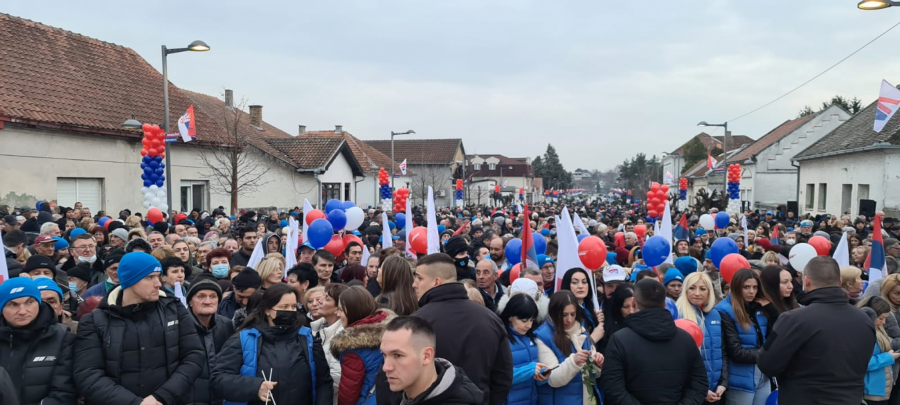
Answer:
(763, 389)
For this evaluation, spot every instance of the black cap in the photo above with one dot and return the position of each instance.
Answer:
(204, 281)
(455, 246)
(39, 262)
(113, 257)
(10, 219)
(81, 271)
(247, 278)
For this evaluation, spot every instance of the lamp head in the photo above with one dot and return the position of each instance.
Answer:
(873, 4)
(702, 124)
(198, 46)
(132, 123)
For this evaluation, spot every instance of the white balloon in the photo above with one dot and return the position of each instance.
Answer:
(146, 204)
(355, 217)
(144, 190)
(163, 207)
(149, 196)
(155, 201)
(707, 222)
(153, 188)
(800, 255)
(161, 193)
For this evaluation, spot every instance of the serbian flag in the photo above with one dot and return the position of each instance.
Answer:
(529, 255)
(681, 231)
(888, 103)
(875, 263)
(711, 162)
(774, 237)
(187, 126)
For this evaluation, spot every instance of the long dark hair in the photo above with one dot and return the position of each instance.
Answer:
(558, 303)
(523, 307)
(612, 308)
(397, 293)
(770, 278)
(357, 304)
(737, 296)
(268, 300)
(588, 301)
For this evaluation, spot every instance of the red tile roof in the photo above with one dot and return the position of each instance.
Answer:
(364, 153)
(315, 153)
(711, 142)
(775, 135)
(420, 151)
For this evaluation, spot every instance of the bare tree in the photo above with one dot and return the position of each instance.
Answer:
(425, 176)
(233, 170)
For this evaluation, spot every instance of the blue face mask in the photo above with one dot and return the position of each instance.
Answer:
(220, 270)
(73, 288)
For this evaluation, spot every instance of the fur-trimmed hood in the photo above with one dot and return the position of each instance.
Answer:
(363, 334)
(543, 306)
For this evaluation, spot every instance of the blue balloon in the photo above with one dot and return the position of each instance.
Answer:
(441, 229)
(334, 204)
(582, 237)
(147, 183)
(400, 218)
(392, 225)
(319, 233)
(720, 248)
(160, 183)
(514, 251)
(656, 250)
(540, 243)
(722, 219)
(144, 178)
(103, 221)
(143, 165)
(338, 219)
(348, 205)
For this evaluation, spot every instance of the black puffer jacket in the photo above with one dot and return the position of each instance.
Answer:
(471, 337)
(7, 389)
(14, 267)
(651, 361)
(124, 354)
(38, 358)
(212, 339)
(283, 351)
(452, 387)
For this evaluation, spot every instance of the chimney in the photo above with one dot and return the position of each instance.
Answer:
(338, 129)
(229, 98)
(302, 129)
(256, 115)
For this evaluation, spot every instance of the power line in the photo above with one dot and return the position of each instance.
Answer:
(816, 76)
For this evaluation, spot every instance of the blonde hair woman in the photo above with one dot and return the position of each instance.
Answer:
(770, 259)
(851, 283)
(271, 270)
(133, 222)
(697, 304)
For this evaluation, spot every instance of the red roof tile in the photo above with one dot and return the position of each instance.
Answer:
(775, 135)
(314, 153)
(420, 151)
(364, 153)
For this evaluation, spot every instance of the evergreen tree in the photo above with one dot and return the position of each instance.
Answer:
(549, 168)
(693, 152)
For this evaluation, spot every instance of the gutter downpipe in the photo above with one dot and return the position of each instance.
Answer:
(797, 192)
(315, 172)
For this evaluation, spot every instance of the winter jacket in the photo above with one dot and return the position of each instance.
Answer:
(126, 353)
(326, 334)
(12, 265)
(742, 344)
(212, 339)
(820, 353)
(452, 387)
(525, 359)
(879, 376)
(239, 258)
(565, 383)
(471, 337)
(8, 395)
(228, 306)
(38, 358)
(290, 356)
(543, 304)
(358, 348)
(651, 361)
(713, 351)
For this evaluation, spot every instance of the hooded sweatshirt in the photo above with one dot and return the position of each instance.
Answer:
(452, 387)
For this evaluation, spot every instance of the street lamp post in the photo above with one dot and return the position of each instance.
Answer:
(196, 46)
(876, 4)
(724, 147)
(393, 134)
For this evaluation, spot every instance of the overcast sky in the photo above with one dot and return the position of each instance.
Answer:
(600, 80)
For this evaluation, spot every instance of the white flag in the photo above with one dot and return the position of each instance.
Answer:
(307, 207)
(567, 255)
(665, 230)
(408, 228)
(4, 271)
(290, 249)
(386, 240)
(746, 232)
(579, 225)
(258, 254)
(179, 293)
(434, 240)
(842, 252)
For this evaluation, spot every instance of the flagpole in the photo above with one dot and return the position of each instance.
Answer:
(165, 72)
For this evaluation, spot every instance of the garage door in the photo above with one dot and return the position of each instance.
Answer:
(89, 192)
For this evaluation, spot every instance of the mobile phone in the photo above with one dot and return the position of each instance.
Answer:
(547, 371)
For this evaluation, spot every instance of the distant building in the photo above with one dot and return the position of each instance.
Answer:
(673, 162)
(434, 162)
(486, 171)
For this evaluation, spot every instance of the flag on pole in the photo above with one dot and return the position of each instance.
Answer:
(529, 254)
(290, 248)
(403, 167)
(666, 231)
(365, 257)
(4, 271)
(461, 229)
(711, 162)
(567, 256)
(774, 237)
(307, 207)
(258, 253)
(888, 103)
(434, 239)
(408, 228)
(876, 263)
(187, 126)
(579, 225)
(386, 236)
(842, 252)
(681, 231)
(746, 233)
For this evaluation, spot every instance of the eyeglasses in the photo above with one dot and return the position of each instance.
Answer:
(84, 248)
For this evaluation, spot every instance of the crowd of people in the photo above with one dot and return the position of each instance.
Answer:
(113, 309)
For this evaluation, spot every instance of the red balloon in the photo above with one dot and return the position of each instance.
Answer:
(418, 239)
(154, 215)
(314, 215)
(822, 245)
(162, 155)
(731, 264)
(514, 272)
(592, 252)
(146, 127)
(335, 246)
(652, 213)
(153, 152)
(352, 238)
(144, 152)
(664, 188)
(691, 328)
(641, 230)
(654, 187)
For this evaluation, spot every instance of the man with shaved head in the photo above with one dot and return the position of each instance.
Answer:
(468, 334)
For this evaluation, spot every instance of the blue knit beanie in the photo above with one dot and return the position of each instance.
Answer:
(699, 231)
(545, 232)
(16, 288)
(685, 265)
(672, 275)
(611, 258)
(60, 243)
(136, 265)
(75, 232)
(44, 283)
(544, 259)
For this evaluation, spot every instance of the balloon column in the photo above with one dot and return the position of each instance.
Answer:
(497, 195)
(734, 189)
(459, 192)
(656, 200)
(385, 182)
(153, 153)
(682, 194)
(400, 198)
(521, 194)
(555, 195)
(546, 194)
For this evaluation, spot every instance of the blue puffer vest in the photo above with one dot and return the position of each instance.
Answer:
(711, 351)
(373, 360)
(250, 345)
(570, 393)
(740, 375)
(524, 352)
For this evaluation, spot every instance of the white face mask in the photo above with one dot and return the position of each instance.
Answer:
(91, 260)
(790, 242)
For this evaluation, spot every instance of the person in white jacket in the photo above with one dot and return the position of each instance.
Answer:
(525, 284)
(329, 325)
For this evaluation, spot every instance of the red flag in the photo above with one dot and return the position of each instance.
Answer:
(461, 229)
(529, 255)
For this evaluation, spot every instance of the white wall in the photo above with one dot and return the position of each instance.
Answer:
(879, 169)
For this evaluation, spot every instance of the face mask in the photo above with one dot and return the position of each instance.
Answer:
(285, 318)
(73, 288)
(463, 262)
(42, 276)
(90, 260)
(220, 270)
(790, 242)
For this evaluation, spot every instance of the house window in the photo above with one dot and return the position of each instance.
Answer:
(89, 192)
(193, 195)
(846, 197)
(810, 195)
(331, 191)
(492, 166)
(347, 192)
(823, 194)
(476, 166)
